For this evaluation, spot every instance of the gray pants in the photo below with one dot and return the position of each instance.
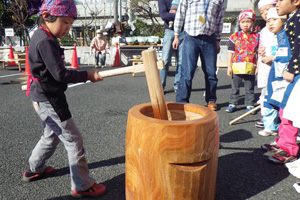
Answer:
(54, 132)
(102, 57)
(249, 82)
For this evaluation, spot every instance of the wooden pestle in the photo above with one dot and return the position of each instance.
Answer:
(154, 84)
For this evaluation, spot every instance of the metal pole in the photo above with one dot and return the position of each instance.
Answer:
(120, 11)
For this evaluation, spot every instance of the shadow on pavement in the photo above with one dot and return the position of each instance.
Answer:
(240, 175)
(245, 174)
(104, 163)
(115, 190)
(115, 186)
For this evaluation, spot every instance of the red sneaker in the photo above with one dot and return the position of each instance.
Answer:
(95, 191)
(31, 176)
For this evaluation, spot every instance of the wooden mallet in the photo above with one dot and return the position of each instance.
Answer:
(131, 69)
(244, 115)
(120, 71)
(154, 85)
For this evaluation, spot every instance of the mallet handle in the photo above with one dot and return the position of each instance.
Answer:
(128, 70)
(244, 115)
(154, 85)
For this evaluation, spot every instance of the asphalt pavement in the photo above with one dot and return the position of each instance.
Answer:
(100, 112)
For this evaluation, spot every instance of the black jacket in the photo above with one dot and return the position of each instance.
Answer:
(46, 64)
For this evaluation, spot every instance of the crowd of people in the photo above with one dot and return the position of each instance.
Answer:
(271, 56)
(194, 26)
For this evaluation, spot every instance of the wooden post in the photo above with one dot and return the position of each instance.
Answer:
(154, 84)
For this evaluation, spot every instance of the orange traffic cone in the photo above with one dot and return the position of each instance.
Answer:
(117, 62)
(11, 56)
(27, 67)
(74, 63)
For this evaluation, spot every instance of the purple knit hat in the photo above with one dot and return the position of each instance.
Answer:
(59, 8)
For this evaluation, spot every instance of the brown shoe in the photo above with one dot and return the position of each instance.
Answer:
(212, 106)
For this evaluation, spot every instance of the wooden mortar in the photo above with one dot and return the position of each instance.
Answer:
(171, 159)
(171, 148)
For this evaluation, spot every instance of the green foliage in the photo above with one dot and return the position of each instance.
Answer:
(67, 41)
(31, 21)
(126, 30)
(229, 20)
(143, 29)
(15, 16)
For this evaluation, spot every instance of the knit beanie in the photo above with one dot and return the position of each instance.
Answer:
(272, 14)
(247, 14)
(262, 3)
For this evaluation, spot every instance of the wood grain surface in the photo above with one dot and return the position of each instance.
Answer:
(154, 84)
(175, 159)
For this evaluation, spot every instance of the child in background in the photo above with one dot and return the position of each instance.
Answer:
(50, 78)
(242, 48)
(283, 84)
(270, 118)
(173, 9)
(266, 41)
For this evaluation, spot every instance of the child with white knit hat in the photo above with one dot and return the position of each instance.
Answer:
(275, 24)
(262, 68)
(264, 6)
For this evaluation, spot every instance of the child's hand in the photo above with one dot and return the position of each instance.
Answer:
(289, 77)
(229, 71)
(256, 70)
(262, 51)
(172, 11)
(93, 76)
(267, 60)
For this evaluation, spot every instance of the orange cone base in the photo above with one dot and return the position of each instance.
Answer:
(117, 62)
(27, 67)
(74, 66)
(74, 63)
(11, 56)
(26, 73)
(12, 63)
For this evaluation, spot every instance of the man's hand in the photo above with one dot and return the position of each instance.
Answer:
(176, 42)
(172, 11)
(93, 76)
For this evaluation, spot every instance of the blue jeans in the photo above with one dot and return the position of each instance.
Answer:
(270, 119)
(206, 46)
(167, 53)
